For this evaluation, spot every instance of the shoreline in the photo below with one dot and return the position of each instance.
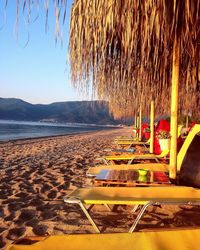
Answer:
(61, 135)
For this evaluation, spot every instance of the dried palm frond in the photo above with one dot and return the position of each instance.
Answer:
(124, 48)
(30, 12)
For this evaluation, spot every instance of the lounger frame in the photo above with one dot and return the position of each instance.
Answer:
(138, 217)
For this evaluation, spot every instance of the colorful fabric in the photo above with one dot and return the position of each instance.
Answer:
(163, 125)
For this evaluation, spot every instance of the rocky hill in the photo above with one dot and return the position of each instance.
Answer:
(73, 112)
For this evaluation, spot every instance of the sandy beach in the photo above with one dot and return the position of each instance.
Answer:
(37, 173)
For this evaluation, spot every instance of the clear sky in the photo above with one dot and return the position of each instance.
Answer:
(38, 72)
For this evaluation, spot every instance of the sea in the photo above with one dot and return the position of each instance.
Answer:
(14, 130)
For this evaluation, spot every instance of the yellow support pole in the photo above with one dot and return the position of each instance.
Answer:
(152, 117)
(187, 121)
(174, 108)
(135, 121)
(135, 126)
(140, 121)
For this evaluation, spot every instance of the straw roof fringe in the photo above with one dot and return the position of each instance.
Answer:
(124, 49)
(30, 9)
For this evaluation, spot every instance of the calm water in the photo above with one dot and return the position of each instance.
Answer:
(11, 130)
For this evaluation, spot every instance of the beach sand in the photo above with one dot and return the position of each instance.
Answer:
(37, 173)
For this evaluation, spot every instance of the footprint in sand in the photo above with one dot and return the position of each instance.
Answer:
(2, 242)
(36, 201)
(2, 229)
(10, 217)
(14, 205)
(46, 215)
(21, 195)
(33, 223)
(27, 214)
(52, 194)
(63, 186)
(15, 233)
(40, 229)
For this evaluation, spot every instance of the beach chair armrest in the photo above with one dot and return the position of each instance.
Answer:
(99, 159)
(72, 200)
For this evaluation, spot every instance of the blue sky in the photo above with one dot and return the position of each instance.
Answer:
(39, 72)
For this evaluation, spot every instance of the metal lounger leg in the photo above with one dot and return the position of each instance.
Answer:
(135, 208)
(90, 207)
(145, 146)
(105, 161)
(130, 146)
(109, 209)
(89, 217)
(131, 161)
(139, 217)
(156, 159)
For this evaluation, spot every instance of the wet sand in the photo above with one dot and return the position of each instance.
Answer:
(37, 173)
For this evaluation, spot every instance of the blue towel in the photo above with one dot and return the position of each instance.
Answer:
(131, 150)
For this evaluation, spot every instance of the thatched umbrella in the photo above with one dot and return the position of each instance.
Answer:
(124, 47)
(129, 47)
(129, 50)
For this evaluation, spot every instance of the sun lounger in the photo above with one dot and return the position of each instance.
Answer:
(157, 240)
(130, 158)
(143, 196)
(126, 138)
(147, 196)
(93, 171)
(152, 166)
(130, 144)
(131, 150)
